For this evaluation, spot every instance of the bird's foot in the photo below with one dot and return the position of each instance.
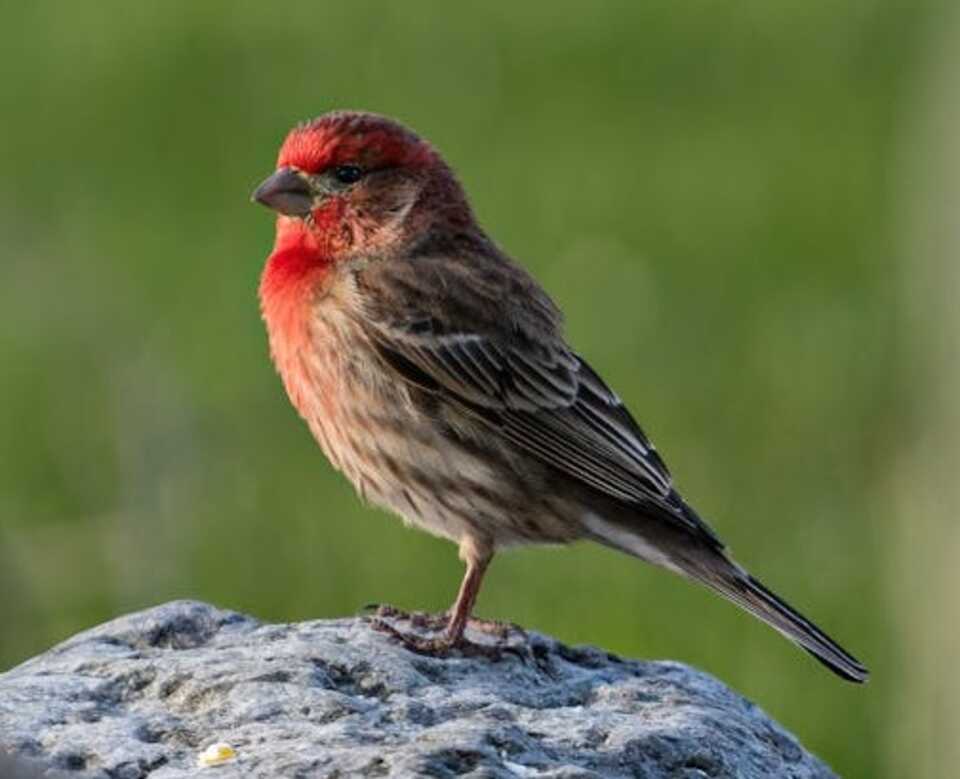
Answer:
(423, 645)
(441, 645)
(419, 619)
(429, 621)
(444, 645)
(383, 614)
(426, 621)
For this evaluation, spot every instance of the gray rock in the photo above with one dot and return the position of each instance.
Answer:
(16, 767)
(145, 694)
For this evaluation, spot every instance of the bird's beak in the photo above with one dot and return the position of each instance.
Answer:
(286, 191)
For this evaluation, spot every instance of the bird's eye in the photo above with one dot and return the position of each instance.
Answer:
(348, 174)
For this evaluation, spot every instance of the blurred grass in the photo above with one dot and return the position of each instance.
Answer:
(706, 188)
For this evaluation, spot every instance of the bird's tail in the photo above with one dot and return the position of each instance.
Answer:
(705, 561)
(748, 593)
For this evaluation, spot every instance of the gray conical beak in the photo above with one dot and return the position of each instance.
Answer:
(286, 191)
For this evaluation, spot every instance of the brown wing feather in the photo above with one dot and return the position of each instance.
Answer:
(532, 390)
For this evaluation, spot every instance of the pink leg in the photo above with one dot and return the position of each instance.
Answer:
(477, 557)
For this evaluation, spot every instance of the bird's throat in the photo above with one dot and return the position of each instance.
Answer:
(295, 273)
(298, 251)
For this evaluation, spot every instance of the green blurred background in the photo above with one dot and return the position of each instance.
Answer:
(745, 208)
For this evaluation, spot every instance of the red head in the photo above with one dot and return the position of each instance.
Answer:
(352, 184)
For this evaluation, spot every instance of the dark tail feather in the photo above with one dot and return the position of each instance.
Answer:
(708, 563)
(752, 596)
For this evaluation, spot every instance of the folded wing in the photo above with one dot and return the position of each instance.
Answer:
(545, 399)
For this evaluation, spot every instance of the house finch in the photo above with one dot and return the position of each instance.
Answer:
(433, 372)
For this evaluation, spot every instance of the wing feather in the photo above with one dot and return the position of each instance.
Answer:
(548, 401)
(498, 355)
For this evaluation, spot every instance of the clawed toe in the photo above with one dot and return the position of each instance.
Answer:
(426, 621)
(422, 645)
(419, 619)
(443, 645)
(500, 630)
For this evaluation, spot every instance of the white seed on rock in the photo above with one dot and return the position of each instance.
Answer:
(216, 754)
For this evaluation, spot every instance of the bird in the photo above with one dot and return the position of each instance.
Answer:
(433, 371)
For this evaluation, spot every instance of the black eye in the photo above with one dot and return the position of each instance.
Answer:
(348, 174)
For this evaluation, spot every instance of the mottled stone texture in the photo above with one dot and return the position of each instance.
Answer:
(145, 694)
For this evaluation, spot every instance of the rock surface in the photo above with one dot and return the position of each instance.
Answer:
(146, 694)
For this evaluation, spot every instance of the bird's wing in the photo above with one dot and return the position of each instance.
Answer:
(543, 398)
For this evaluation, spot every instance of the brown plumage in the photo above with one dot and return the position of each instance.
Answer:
(433, 371)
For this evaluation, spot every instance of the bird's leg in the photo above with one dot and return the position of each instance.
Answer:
(477, 557)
